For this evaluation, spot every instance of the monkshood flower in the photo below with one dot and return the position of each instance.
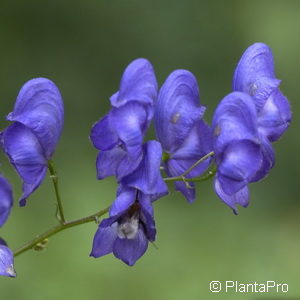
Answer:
(30, 141)
(6, 200)
(6, 260)
(255, 75)
(119, 134)
(131, 225)
(184, 136)
(242, 156)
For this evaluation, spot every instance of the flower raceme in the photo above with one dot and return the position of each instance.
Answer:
(242, 146)
(30, 141)
(245, 124)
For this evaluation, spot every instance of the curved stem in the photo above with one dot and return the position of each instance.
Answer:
(198, 162)
(208, 174)
(60, 227)
(54, 178)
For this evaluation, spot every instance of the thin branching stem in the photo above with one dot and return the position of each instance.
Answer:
(53, 176)
(58, 228)
(205, 176)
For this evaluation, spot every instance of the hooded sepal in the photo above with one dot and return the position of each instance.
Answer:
(255, 75)
(138, 83)
(177, 109)
(39, 107)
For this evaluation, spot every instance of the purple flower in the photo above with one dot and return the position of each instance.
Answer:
(6, 200)
(6, 260)
(30, 141)
(131, 225)
(255, 76)
(127, 232)
(242, 155)
(184, 136)
(119, 134)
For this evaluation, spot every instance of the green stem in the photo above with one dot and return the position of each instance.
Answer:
(54, 178)
(60, 227)
(197, 163)
(208, 174)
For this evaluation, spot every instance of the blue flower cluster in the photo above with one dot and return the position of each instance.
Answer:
(238, 145)
(244, 125)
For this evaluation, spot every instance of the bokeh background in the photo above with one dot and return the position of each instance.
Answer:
(84, 46)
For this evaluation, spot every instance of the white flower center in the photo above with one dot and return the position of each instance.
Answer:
(128, 227)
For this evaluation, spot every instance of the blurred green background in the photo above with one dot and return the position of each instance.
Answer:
(84, 46)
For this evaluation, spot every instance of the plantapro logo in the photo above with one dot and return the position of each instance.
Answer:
(253, 287)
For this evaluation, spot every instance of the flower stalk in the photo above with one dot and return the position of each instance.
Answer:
(53, 176)
(208, 174)
(58, 228)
